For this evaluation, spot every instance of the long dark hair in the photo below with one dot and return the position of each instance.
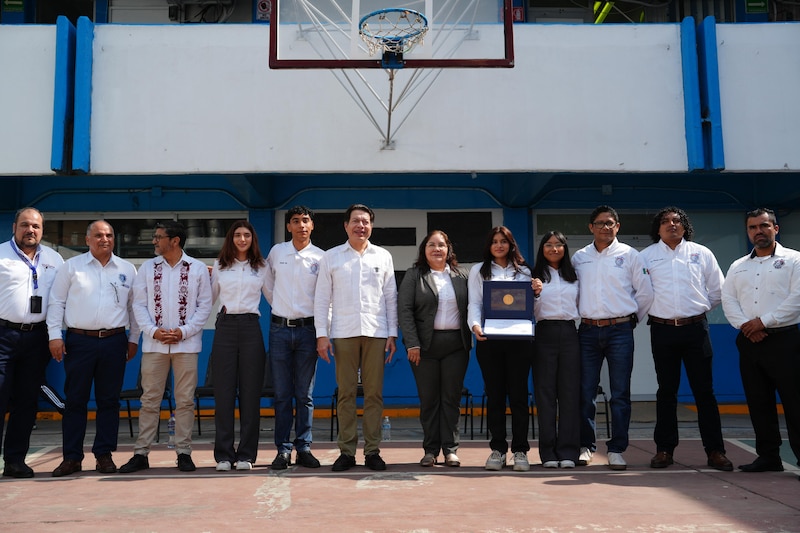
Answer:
(514, 257)
(227, 255)
(565, 269)
(422, 262)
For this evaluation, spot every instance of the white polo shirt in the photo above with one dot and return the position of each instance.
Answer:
(291, 279)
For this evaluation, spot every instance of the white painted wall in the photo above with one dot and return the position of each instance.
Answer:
(174, 99)
(27, 83)
(759, 71)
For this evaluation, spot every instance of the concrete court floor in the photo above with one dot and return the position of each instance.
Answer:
(686, 497)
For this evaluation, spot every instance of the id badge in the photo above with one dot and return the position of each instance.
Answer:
(36, 304)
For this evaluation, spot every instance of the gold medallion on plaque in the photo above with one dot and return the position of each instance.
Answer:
(508, 299)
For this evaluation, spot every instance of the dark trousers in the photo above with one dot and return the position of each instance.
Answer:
(768, 366)
(440, 379)
(505, 366)
(557, 388)
(100, 361)
(23, 357)
(691, 346)
(238, 357)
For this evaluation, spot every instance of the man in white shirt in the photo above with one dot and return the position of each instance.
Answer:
(615, 293)
(761, 298)
(92, 296)
(27, 271)
(355, 307)
(171, 302)
(687, 283)
(292, 269)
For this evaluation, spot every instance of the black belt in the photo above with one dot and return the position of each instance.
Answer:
(604, 322)
(20, 327)
(782, 329)
(678, 321)
(99, 333)
(292, 322)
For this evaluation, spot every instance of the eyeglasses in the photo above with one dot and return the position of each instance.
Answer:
(551, 245)
(157, 237)
(608, 224)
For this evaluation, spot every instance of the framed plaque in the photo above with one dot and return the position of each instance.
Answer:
(508, 310)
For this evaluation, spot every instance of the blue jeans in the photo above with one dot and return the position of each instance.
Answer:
(615, 345)
(293, 356)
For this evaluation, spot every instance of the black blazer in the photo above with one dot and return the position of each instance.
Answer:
(417, 301)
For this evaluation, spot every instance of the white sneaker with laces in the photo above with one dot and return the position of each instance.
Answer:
(223, 466)
(550, 464)
(496, 461)
(521, 463)
(585, 457)
(616, 461)
(244, 465)
(566, 463)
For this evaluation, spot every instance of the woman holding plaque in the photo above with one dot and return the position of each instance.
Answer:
(505, 364)
(432, 313)
(557, 358)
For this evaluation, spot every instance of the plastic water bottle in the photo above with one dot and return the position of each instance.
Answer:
(171, 430)
(386, 429)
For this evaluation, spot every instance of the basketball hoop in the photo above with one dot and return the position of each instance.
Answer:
(394, 31)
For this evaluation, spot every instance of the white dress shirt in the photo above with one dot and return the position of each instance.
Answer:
(764, 287)
(447, 315)
(687, 281)
(475, 287)
(356, 294)
(238, 287)
(558, 299)
(614, 282)
(16, 283)
(197, 304)
(89, 295)
(291, 279)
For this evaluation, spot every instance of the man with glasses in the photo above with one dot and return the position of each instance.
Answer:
(687, 283)
(92, 296)
(761, 298)
(615, 293)
(355, 316)
(27, 271)
(172, 301)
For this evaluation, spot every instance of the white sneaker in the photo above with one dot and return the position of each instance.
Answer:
(244, 465)
(566, 463)
(616, 461)
(550, 464)
(585, 457)
(521, 463)
(496, 461)
(223, 466)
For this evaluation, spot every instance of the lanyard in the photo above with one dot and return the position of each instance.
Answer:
(27, 262)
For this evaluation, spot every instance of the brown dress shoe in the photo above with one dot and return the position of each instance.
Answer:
(661, 460)
(105, 465)
(718, 460)
(67, 467)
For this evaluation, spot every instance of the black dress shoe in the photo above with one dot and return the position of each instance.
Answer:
(281, 461)
(185, 463)
(137, 462)
(661, 460)
(373, 461)
(105, 465)
(763, 465)
(17, 470)
(306, 458)
(344, 462)
(67, 467)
